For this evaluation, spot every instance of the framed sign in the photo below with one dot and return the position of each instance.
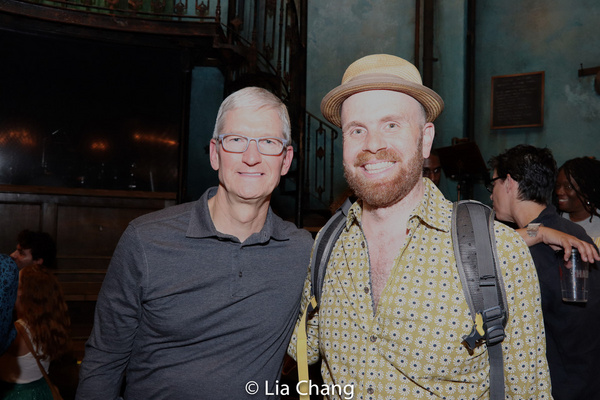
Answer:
(518, 100)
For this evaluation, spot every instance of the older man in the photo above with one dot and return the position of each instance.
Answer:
(392, 310)
(200, 299)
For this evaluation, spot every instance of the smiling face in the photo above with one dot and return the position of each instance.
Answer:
(250, 175)
(568, 201)
(385, 141)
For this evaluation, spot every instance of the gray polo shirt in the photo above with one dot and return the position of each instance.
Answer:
(190, 313)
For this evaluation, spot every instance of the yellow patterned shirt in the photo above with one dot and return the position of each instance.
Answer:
(411, 347)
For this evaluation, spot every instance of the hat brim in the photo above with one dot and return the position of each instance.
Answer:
(332, 102)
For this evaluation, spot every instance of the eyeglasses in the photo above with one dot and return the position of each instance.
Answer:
(490, 185)
(269, 146)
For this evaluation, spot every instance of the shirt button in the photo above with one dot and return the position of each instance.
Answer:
(240, 274)
(373, 338)
(362, 244)
(367, 290)
(370, 390)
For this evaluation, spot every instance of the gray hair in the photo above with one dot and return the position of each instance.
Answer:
(254, 98)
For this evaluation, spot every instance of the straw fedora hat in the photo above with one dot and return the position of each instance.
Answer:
(381, 72)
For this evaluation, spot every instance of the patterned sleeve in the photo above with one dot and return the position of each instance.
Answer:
(526, 371)
(9, 282)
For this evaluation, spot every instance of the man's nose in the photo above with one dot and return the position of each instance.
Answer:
(252, 156)
(374, 142)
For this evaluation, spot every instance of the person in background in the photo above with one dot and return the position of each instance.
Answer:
(578, 194)
(34, 248)
(523, 183)
(9, 281)
(432, 168)
(392, 311)
(43, 314)
(200, 299)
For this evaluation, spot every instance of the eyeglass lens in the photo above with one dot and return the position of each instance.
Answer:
(240, 143)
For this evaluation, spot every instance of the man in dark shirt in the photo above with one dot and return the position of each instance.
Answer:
(200, 299)
(523, 182)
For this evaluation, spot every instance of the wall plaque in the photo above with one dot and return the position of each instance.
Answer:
(518, 100)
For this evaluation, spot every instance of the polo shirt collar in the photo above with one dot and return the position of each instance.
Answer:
(433, 210)
(202, 226)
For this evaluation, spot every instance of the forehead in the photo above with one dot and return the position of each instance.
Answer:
(379, 103)
(23, 250)
(253, 122)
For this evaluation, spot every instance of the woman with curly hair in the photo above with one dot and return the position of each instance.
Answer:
(42, 312)
(578, 194)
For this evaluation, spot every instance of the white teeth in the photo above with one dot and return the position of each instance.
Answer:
(378, 166)
(252, 174)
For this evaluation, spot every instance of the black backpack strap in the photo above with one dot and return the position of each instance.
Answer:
(324, 246)
(477, 262)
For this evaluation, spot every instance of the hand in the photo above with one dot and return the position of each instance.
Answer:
(559, 240)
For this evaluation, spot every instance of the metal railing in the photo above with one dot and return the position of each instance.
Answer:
(178, 10)
(321, 141)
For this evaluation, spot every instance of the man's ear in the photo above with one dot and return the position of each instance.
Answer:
(428, 136)
(287, 161)
(511, 185)
(214, 155)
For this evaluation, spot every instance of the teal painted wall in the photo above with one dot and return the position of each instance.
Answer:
(342, 31)
(449, 77)
(512, 37)
(553, 36)
(206, 97)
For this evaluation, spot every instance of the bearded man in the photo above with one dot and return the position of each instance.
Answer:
(392, 310)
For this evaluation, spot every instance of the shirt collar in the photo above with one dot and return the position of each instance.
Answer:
(201, 224)
(433, 210)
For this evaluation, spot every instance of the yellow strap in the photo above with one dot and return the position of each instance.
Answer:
(302, 353)
(479, 324)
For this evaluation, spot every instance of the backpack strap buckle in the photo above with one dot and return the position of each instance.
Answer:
(493, 319)
(488, 328)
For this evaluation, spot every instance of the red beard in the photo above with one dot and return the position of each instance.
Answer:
(380, 193)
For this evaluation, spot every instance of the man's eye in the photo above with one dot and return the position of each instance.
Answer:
(392, 125)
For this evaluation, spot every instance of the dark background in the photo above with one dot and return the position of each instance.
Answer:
(77, 113)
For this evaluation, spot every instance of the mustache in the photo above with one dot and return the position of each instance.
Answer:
(382, 155)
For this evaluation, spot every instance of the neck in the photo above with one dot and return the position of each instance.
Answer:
(579, 215)
(237, 217)
(527, 211)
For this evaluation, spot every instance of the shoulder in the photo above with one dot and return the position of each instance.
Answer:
(567, 226)
(166, 214)
(508, 241)
(300, 237)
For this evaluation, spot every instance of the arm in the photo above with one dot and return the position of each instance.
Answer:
(107, 351)
(560, 240)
